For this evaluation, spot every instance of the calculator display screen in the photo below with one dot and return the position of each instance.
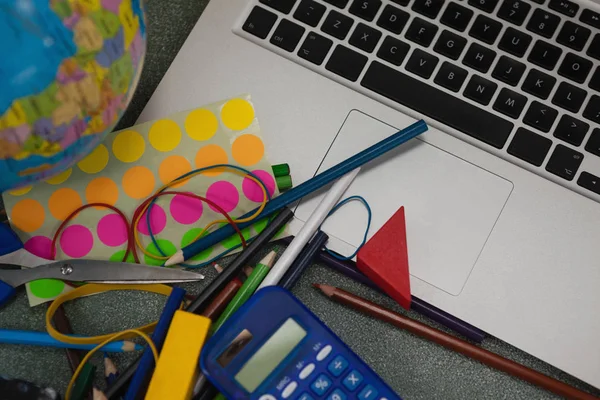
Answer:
(270, 355)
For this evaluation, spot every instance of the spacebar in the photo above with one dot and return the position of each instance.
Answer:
(436, 104)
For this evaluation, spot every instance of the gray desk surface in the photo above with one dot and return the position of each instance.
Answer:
(415, 368)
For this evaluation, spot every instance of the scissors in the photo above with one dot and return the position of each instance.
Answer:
(17, 268)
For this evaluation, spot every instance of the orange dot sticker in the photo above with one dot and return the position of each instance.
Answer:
(138, 182)
(248, 149)
(102, 190)
(95, 161)
(237, 114)
(173, 167)
(28, 215)
(164, 135)
(201, 124)
(63, 202)
(210, 155)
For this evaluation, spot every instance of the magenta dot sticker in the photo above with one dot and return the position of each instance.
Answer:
(112, 230)
(253, 190)
(40, 246)
(225, 194)
(158, 221)
(186, 210)
(76, 241)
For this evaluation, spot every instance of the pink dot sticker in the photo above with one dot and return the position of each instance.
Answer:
(112, 230)
(158, 221)
(76, 241)
(253, 190)
(40, 246)
(186, 210)
(225, 194)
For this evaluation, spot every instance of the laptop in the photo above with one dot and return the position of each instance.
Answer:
(502, 193)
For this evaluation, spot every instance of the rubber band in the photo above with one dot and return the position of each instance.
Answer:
(364, 241)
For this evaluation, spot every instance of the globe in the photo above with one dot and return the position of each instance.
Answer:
(67, 73)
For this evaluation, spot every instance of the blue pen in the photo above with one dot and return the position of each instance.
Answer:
(304, 189)
(32, 338)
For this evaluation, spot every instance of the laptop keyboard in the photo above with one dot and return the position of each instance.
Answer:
(522, 78)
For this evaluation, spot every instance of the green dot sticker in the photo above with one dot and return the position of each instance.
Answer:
(234, 239)
(167, 247)
(189, 238)
(261, 225)
(46, 288)
(118, 257)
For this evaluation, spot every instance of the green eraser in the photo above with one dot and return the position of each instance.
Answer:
(284, 182)
(280, 169)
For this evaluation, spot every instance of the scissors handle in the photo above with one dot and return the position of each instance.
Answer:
(9, 242)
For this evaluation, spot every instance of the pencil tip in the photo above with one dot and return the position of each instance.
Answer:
(176, 258)
(269, 259)
(326, 289)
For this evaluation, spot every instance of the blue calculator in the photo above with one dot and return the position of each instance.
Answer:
(273, 348)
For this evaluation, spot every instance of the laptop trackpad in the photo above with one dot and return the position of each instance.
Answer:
(451, 205)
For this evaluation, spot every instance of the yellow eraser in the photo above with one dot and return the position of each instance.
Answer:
(177, 367)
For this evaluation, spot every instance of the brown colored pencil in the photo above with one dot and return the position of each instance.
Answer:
(216, 307)
(61, 321)
(453, 343)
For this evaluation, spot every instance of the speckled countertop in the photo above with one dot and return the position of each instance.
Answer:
(415, 368)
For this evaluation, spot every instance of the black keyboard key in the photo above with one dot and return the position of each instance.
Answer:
(393, 50)
(543, 23)
(508, 71)
(421, 63)
(346, 63)
(575, 68)
(338, 3)
(287, 35)
(538, 84)
(437, 104)
(284, 6)
(540, 1)
(515, 42)
(573, 35)
(479, 57)
(337, 25)
(485, 29)
(260, 22)
(428, 8)
(540, 116)
(592, 110)
(514, 11)
(457, 16)
(480, 90)
(529, 146)
(450, 76)
(393, 19)
(590, 17)
(594, 49)
(595, 81)
(315, 48)
(450, 44)
(484, 5)
(565, 7)
(564, 162)
(510, 103)
(593, 144)
(571, 130)
(401, 2)
(544, 55)
(421, 32)
(569, 97)
(310, 12)
(365, 38)
(589, 181)
(365, 9)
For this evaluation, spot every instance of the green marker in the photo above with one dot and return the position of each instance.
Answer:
(247, 290)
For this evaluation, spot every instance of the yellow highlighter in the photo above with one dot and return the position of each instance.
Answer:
(177, 366)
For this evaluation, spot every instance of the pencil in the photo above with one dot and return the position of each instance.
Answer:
(216, 307)
(247, 290)
(304, 189)
(110, 370)
(99, 395)
(453, 343)
(309, 228)
(63, 325)
(304, 259)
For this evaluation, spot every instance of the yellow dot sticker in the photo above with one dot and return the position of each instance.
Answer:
(173, 167)
(248, 149)
(138, 182)
(164, 135)
(128, 146)
(95, 161)
(201, 124)
(60, 178)
(21, 191)
(63, 202)
(210, 155)
(237, 114)
(27, 215)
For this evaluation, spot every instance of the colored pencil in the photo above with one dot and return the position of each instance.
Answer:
(110, 370)
(216, 307)
(458, 345)
(247, 290)
(84, 382)
(32, 338)
(349, 269)
(304, 189)
(304, 259)
(99, 395)
(63, 325)
(309, 228)
(143, 374)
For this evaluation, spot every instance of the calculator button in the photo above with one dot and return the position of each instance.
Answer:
(324, 353)
(321, 385)
(305, 396)
(267, 397)
(289, 389)
(306, 371)
(353, 380)
(337, 395)
(337, 366)
(368, 393)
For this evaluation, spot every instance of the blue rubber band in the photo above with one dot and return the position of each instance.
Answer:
(364, 241)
